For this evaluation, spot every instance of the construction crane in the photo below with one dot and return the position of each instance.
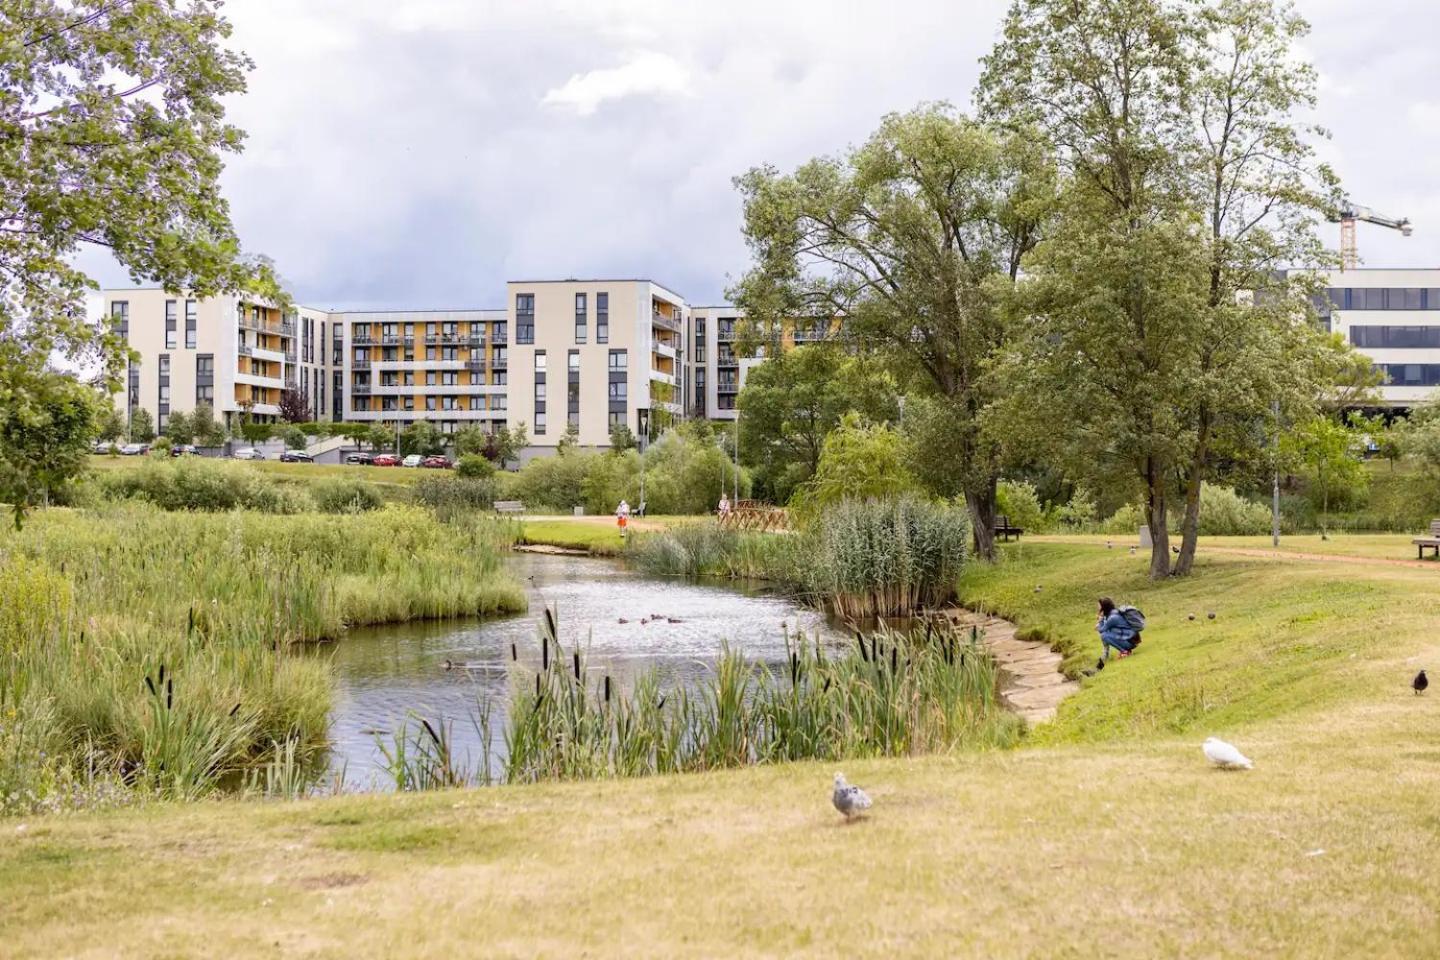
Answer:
(1347, 216)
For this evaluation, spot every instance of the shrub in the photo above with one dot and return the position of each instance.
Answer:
(450, 497)
(557, 482)
(345, 495)
(193, 483)
(1224, 513)
(858, 461)
(1127, 520)
(473, 466)
(1018, 501)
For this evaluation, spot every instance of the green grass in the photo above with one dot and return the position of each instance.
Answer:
(99, 608)
(391, 482)
(1106, 835)
(1373, 546)
(598, 536)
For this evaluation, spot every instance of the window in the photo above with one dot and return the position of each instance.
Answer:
(449, 378)
(163, 411)
(618, 360)
(602, 318)
(430, 379)
(539, 361)
(499, 378)
(169, 324)
(617, 419)
(574, 363)
(619, 390)
(1387, 336)
(524, 318)
(1411, 374)
(582, 317)
(164, 364)
(191, 324)
(205, 379)
(120, 316)
(502, 332)
(449, 353)
(540, 392)
(539, 421)
(429, 403)
(205, 396)
(499, 356)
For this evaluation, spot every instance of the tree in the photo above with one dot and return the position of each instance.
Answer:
(470, 439)
(421, 437)
(858, 460)
(915, 239)
(38, 455)
(179, 428)
(791, 402)
(622, 438)
(1156, 323)
(569, 440)
(1328, 452)
(509, 441)
(113, 135)
(142, 426)
(295, 407)
(295, 438)
(207, 430)
(252, 431)
(110, 425)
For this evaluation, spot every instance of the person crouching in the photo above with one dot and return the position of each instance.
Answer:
(1115, 631)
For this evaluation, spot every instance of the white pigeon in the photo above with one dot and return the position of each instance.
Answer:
(849, 800)
(1225, 756)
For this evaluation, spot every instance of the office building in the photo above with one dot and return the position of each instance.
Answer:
(1392, 316)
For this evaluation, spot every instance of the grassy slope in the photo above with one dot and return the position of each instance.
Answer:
(1127, 846)
(597, 535)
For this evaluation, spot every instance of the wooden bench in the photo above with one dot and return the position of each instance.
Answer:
(1432, 541)
(1004, 529)
(509, 506)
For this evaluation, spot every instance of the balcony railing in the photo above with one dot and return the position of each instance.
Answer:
(390, 339)
(290, 355)
(246, 350)
(666, 323)
(475, 366)
(727, 386)
(360, 389)
(724, 333)
(362, 339)
(287, 328)
(360, 364)
(474, 339)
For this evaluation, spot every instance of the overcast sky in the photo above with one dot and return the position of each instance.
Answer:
(419, 153)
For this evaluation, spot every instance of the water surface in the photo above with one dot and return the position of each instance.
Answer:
(385, 673)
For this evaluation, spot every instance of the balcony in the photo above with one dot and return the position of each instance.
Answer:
(290, 355)
(724, 333)
(272, 356)
(245, 350)
(659, 319)
(473, 340)
(287, 328)
(359, 364)
(663, 348)
(475, 366)
(727, 386)
(360, 389)
(391, 339)
(361, 339)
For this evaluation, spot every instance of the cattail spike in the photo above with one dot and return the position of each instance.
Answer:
(235, 709)
(151, 684)
(576, 659)
(607, 688)
(514, 654)
(170, 693)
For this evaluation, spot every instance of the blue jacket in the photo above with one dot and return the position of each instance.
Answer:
(1115, 627)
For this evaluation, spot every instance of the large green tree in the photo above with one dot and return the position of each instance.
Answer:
(112, 129)
(914, 239)
(792, 401)
(1157, 328)
(40, 454)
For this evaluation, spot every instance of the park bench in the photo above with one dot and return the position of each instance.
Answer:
(1004, 529)
(1432, 541)
(509, 506)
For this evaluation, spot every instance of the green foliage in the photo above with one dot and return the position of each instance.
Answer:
(859, 460)
(345, 495)
(1224, 513)
(43, 448)
(893, 694)
(199, 484)
(294, 438)
(469, 440)
(179, 429)
(110, 424)
(554, 483)
(509, 441)
(452, 497)
(295, 407)
(1329, 456)
(1017, 500)
(686, 472)
(610, 478)
(252, 431)
(113, 139)
(622, 438)
(473, 466)
(568, 440)
(142, 426)
(793, 400)
(421, 437)
(114, 658)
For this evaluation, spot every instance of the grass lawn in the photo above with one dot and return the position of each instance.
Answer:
(1107, 835)
(596, 535)
(1372, 546)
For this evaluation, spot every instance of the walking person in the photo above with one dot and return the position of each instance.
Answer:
(724, 509)
(622, 516)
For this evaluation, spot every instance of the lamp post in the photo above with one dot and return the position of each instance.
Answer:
(1275, 481)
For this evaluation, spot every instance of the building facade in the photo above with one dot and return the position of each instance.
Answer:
(1393, 317)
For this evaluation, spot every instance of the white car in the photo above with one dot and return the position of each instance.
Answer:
(414, 460)
(248, 453)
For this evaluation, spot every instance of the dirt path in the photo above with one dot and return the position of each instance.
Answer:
(1262, 554)
(1032, 684)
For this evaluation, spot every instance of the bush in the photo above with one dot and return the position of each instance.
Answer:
(204, 485)
(345, 495)
(473, 466)
(1127, 520)
(450, 497)
(556, 483)
(1018, 501)
(1224, 513)
(858, 461)
(686, 472)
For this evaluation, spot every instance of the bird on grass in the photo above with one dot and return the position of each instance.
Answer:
(1224, 755)
(848, 799)
(1420, 683)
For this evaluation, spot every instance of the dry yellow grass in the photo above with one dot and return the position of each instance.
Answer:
(1131, 847)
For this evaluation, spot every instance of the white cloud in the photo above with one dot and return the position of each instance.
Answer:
(646, 73)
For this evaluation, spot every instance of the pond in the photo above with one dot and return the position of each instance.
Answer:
(626, 621)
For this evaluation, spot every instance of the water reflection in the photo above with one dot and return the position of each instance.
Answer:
(625, 621)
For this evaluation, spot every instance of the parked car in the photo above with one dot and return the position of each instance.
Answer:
(296, 456)
(248, 453)
(414, 460)
(360, 459)
(103, 446)
(184, 450)
(386, 460)
(437, 462)
(135, 449)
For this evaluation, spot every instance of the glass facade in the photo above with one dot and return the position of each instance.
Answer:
(1389, 336)
(1410, 374)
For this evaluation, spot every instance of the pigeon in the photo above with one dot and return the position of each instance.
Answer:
(1420, 683)
(1210, 615)
(849, 800)
(623, 620)
(1225, 756)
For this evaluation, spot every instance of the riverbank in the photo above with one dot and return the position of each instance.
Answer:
(1109, 835)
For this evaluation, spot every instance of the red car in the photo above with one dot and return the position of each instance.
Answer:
(437, 462)
(386, 460)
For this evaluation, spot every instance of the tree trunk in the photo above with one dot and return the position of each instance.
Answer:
(981, 505)
(1190, 525)
(1159, 522)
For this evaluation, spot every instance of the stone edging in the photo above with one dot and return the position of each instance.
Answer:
(1031, 682)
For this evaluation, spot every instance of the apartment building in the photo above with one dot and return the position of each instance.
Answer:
(719, 367)
(1392, 316)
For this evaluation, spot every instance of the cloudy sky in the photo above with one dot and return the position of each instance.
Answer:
(418, 153)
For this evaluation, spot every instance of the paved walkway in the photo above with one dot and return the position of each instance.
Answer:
(1031, 682)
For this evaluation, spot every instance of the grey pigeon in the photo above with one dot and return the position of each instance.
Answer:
(849, 800)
